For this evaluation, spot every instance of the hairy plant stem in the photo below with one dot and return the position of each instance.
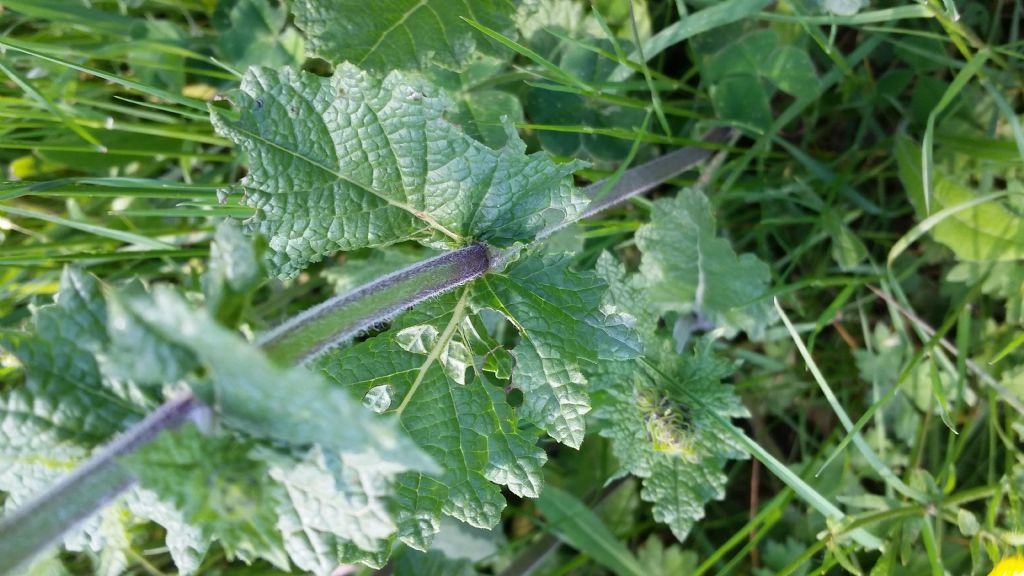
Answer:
(40, 522)
(313, 332)
(44, 520)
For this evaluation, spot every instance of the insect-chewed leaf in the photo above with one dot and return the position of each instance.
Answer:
(558, 314)
(458, 417)
(647, 410)
(439, 369)
(353, 161)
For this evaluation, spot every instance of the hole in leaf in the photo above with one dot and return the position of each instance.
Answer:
(514, 397)
(379, 398)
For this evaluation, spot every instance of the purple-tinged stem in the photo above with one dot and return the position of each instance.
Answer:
(42, 521)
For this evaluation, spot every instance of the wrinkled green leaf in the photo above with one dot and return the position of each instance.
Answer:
(437, 369)
(481, 112)
(656, 432)
(452, 410)
(253, 395)
(327, 476)
(351, 161)
(218, 487)
(74, 400)
(557, 312)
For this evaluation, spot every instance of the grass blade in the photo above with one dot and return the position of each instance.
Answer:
(578, 526)
(126, 237)
(27, 87)
(887, 475)
(17, 46)
(928, 143)
(717, 15)
(543, 62)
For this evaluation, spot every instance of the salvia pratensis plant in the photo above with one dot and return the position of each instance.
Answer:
(448, 374)
(339, 483)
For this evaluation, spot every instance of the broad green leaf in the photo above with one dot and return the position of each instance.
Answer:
(451, 409)
(657, 435)
(987, 232)
(689, 269)
(40, 441)
(440, 372)
(78, 394)
(254, 32)
(656, 432)
(628, 294)
(742, 98)
(1004, 280)
(562, 327)
(186, 542)
(745, 74)
(60, 365)
(659, 559)
(745, 57)
(303, 507)
(792, 71)
(332, 501)
(138, 355)
(481, 112)
(330, 476)
(352, 161)
(881, 365)
(235, 272)
(401, 34)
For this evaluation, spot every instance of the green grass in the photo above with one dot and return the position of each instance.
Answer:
(889, 400)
